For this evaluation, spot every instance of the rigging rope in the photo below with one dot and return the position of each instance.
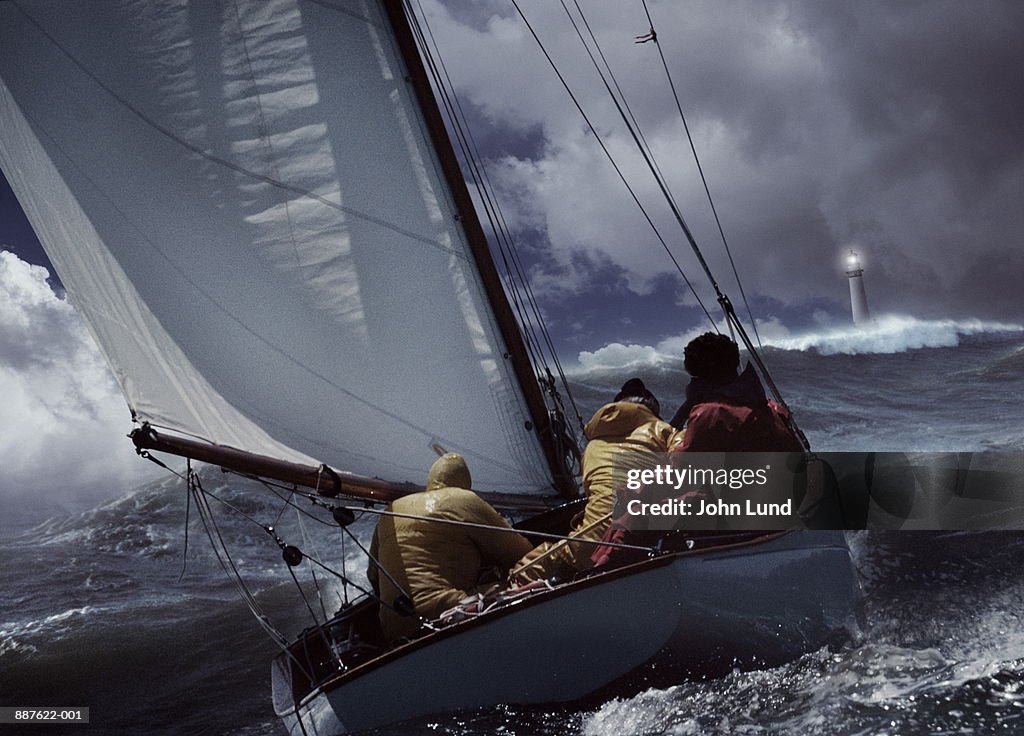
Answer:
(272, 487)
(659, 180)
(700, 169)
(312, 571)
(223, 555)
(236, 575)
(615, 82)
(523, 298)
(502, 529)
(648, 153)
(451, 104)
(331, 505)
(729, 311)
(618, 170)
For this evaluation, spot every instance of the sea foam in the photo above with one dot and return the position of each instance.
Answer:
(887, 334)
(891, 333)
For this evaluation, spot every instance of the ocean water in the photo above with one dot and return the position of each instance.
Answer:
(107, 608)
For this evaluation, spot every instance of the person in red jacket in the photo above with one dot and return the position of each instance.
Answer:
(725, 410)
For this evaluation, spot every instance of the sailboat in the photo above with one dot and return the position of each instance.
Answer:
(257, 209)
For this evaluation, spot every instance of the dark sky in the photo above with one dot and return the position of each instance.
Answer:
(15, 232)
(893, 128)
(896, 129)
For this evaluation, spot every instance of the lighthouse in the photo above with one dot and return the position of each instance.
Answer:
(858, 299)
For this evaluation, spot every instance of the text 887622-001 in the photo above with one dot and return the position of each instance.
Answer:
(44, 715)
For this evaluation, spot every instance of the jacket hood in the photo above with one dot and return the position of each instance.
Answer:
(617, 420)
(743, 390)
(449, 471)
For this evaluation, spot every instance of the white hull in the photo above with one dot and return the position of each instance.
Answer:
(696, 612)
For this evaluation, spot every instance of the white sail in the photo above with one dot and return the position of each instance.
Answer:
(241, 199)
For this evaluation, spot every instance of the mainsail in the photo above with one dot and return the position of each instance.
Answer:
(244, 202)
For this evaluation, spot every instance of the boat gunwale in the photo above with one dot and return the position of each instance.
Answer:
(592, 580)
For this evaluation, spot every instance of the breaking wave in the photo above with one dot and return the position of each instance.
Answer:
(886, 335)
(891, 334)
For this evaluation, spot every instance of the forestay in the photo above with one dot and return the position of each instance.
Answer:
(241, 199)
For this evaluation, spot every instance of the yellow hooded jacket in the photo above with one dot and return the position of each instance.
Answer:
(437, 565)
(620, 435)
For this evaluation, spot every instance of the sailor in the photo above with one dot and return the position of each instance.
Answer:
(725, 411)
(622, 435)
(432, 563)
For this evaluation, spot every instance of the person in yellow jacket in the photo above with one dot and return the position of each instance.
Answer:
(624, 434)
(437, 564)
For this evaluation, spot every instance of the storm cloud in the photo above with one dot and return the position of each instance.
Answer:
(64, 419)
(891, 128)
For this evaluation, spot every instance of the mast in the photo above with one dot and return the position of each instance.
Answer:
(479, 247)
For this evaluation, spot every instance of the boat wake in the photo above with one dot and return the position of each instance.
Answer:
(928, 661)
(870, 690)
